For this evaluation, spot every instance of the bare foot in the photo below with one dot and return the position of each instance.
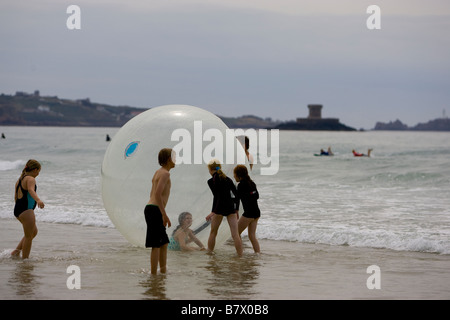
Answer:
(15, 253)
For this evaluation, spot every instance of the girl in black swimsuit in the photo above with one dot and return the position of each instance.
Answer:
(223, 206)
(249, 196)
(26, 200)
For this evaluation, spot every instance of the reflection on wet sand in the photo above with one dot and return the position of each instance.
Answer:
(155, 287)
(232, 277)
(23, 279)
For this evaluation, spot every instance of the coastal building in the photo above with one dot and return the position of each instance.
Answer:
(314, 121)
(315, 117)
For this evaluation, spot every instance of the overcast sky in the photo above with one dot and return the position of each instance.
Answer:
(270, 58)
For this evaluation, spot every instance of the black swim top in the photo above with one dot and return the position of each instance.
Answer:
(249, 195)
(223, 202)
(26, 202)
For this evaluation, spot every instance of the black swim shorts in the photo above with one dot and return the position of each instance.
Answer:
(156, 232)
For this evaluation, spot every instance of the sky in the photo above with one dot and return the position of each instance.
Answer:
(269, 58)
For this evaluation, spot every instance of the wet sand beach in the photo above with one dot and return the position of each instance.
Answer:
(111, 268)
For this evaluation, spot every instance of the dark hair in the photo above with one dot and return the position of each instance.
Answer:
(30, 166)
(181, 219)
(247, 143)
(242, 172)
(164, 156)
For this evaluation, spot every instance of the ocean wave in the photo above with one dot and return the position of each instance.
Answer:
(84, 217)
(405, 177)
(11, 165)
(378, 239)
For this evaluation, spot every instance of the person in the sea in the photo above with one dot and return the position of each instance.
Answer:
(247, 153)
(248, 194)
(356, 154)
(26, 200)
(326, 153)
(223, 206)
(183, 235)
(155, 213)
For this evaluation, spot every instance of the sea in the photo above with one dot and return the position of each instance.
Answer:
(396, 201)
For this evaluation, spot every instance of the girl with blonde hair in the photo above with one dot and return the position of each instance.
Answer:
(223, 206)
(26, 199)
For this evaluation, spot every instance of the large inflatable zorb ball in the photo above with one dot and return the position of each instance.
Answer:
(131, 159)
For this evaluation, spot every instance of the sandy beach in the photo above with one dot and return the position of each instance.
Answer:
(111, 268)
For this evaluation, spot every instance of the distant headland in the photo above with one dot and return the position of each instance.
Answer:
(440, 124)
(32, 109)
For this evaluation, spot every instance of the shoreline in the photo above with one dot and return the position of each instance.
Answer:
(111, 268)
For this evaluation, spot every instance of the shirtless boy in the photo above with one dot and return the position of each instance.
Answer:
(155, 213)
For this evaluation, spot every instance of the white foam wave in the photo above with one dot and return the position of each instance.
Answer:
(81, 216)
(355, 237)
(11, 165)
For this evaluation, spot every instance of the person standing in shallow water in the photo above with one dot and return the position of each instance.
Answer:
(248, 194)
(155, 212)
(223, 206)
(26, 200)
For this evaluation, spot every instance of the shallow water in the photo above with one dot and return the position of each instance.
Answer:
(397, 199)
(111, 268)
(324, 221)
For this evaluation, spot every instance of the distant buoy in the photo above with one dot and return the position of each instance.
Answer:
(132, 158)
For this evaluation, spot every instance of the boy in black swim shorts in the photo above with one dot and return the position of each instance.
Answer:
(155, 213)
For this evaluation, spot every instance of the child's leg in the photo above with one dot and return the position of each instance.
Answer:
(16, 252)
(243, 223)
(233, 223)
(154, 259)
(163, 258)
(28, 220)
(252, 235)
(216, 220)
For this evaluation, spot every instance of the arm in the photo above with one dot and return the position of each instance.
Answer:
(31, 185)
(161, 184)
(195, 239)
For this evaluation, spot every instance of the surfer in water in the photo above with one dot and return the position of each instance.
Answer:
(326, 153)
(356, 154)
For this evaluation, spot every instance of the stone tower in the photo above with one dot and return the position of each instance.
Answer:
(315, 111)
